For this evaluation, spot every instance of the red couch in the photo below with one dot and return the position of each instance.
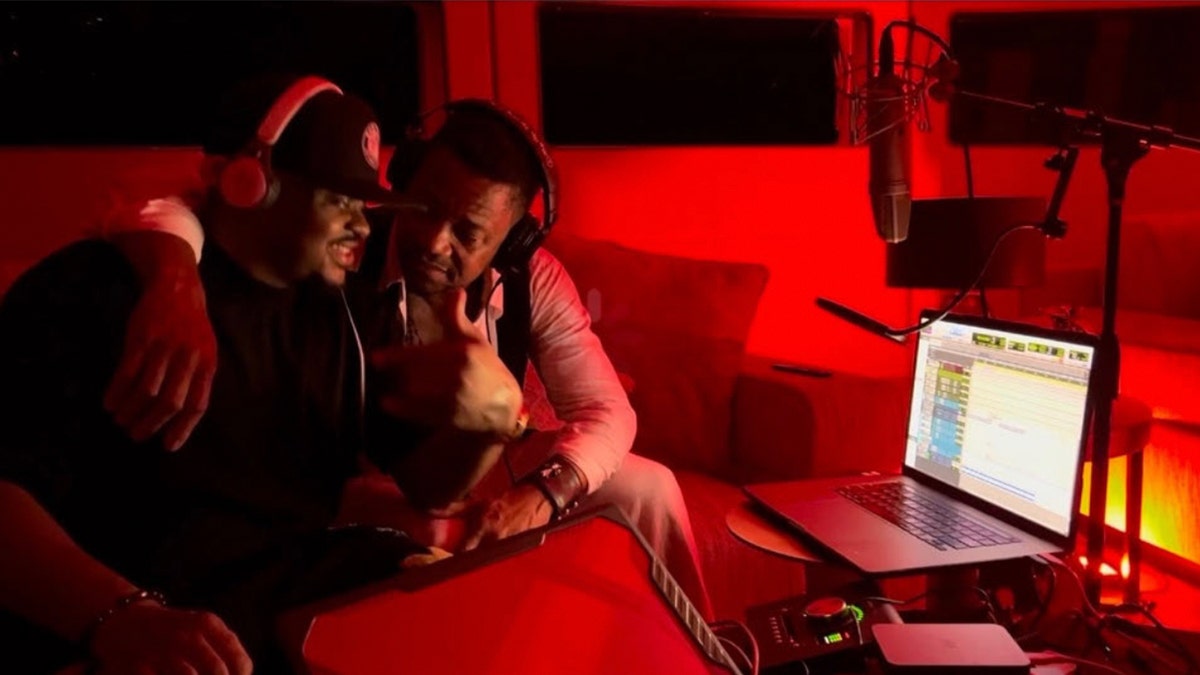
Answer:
(676, 329)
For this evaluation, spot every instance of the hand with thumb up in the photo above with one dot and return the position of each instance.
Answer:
(457, 382)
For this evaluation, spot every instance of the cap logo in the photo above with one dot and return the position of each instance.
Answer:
(370, 145)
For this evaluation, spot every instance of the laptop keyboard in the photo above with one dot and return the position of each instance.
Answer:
(933, 522)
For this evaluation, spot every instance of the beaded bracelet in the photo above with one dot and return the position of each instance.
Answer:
(121, 603)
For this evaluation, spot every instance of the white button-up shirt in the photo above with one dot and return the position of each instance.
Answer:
(598, 423)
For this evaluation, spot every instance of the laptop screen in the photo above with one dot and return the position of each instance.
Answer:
(1001, 415)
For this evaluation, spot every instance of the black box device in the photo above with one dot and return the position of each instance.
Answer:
(949, 649)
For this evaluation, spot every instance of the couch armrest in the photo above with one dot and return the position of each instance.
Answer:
(787, 426)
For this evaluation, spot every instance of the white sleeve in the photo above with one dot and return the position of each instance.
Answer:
(170, 215)
(581, 383)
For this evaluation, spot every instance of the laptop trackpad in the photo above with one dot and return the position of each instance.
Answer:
(863, 538)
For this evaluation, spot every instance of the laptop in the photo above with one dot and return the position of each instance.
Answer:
(993, 458)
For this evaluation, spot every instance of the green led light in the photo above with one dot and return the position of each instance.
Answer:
(857, 612)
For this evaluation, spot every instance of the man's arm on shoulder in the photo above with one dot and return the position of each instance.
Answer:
(580, 380)
(165, 374)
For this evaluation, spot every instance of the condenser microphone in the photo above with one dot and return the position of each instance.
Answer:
(890, 151)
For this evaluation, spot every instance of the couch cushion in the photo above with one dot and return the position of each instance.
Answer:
(10, 270)
(788, 426)
(677, 328)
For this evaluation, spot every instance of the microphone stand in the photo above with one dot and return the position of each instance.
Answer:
(1122, 145)
(1064, 163)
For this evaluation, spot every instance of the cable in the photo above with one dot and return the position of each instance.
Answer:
(915, 27)
(1176, 645)
(487, 326)
(733, 647)
(362, 357)
(987, 602)
(487, 319)
(1045, 605)
(892, 601)
(753, 662)
(920, 326)
(1057, 657)
(966, 147)
(1087, 604)
(970, 173)
(1088, 611)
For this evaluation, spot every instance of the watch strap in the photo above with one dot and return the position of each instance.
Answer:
(562, 484)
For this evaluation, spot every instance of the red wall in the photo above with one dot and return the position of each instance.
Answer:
(803, 211)
(52, 196)
(1159, 183)
(800, 211)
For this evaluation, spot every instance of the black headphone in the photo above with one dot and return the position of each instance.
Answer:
(523, 240)
(247, 180)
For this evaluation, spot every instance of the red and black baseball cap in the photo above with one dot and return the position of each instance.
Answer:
(332, 141)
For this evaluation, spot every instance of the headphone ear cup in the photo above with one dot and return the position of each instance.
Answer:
(244, 182)
(518, 247)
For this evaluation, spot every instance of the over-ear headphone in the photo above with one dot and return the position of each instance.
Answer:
(529, 232)
(247, 181)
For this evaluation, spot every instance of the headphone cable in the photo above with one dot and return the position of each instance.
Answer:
(487, 324)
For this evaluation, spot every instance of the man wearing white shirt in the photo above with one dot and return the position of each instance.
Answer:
(475, 180)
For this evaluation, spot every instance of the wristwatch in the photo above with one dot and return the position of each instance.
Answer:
(561, 483)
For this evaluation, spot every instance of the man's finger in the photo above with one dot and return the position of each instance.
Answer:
(454, 509)
(474, 539)
(230, 649)
(154, 369)
(176, 668)
(172, 396)
(205, 659)
(181, 427)
(122, 381)
(487, 527)
(146, 385)
(453, 316)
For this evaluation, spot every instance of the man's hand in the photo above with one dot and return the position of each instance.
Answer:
(460, 381)
(522, 508)
(165, 374)
(149, 639)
